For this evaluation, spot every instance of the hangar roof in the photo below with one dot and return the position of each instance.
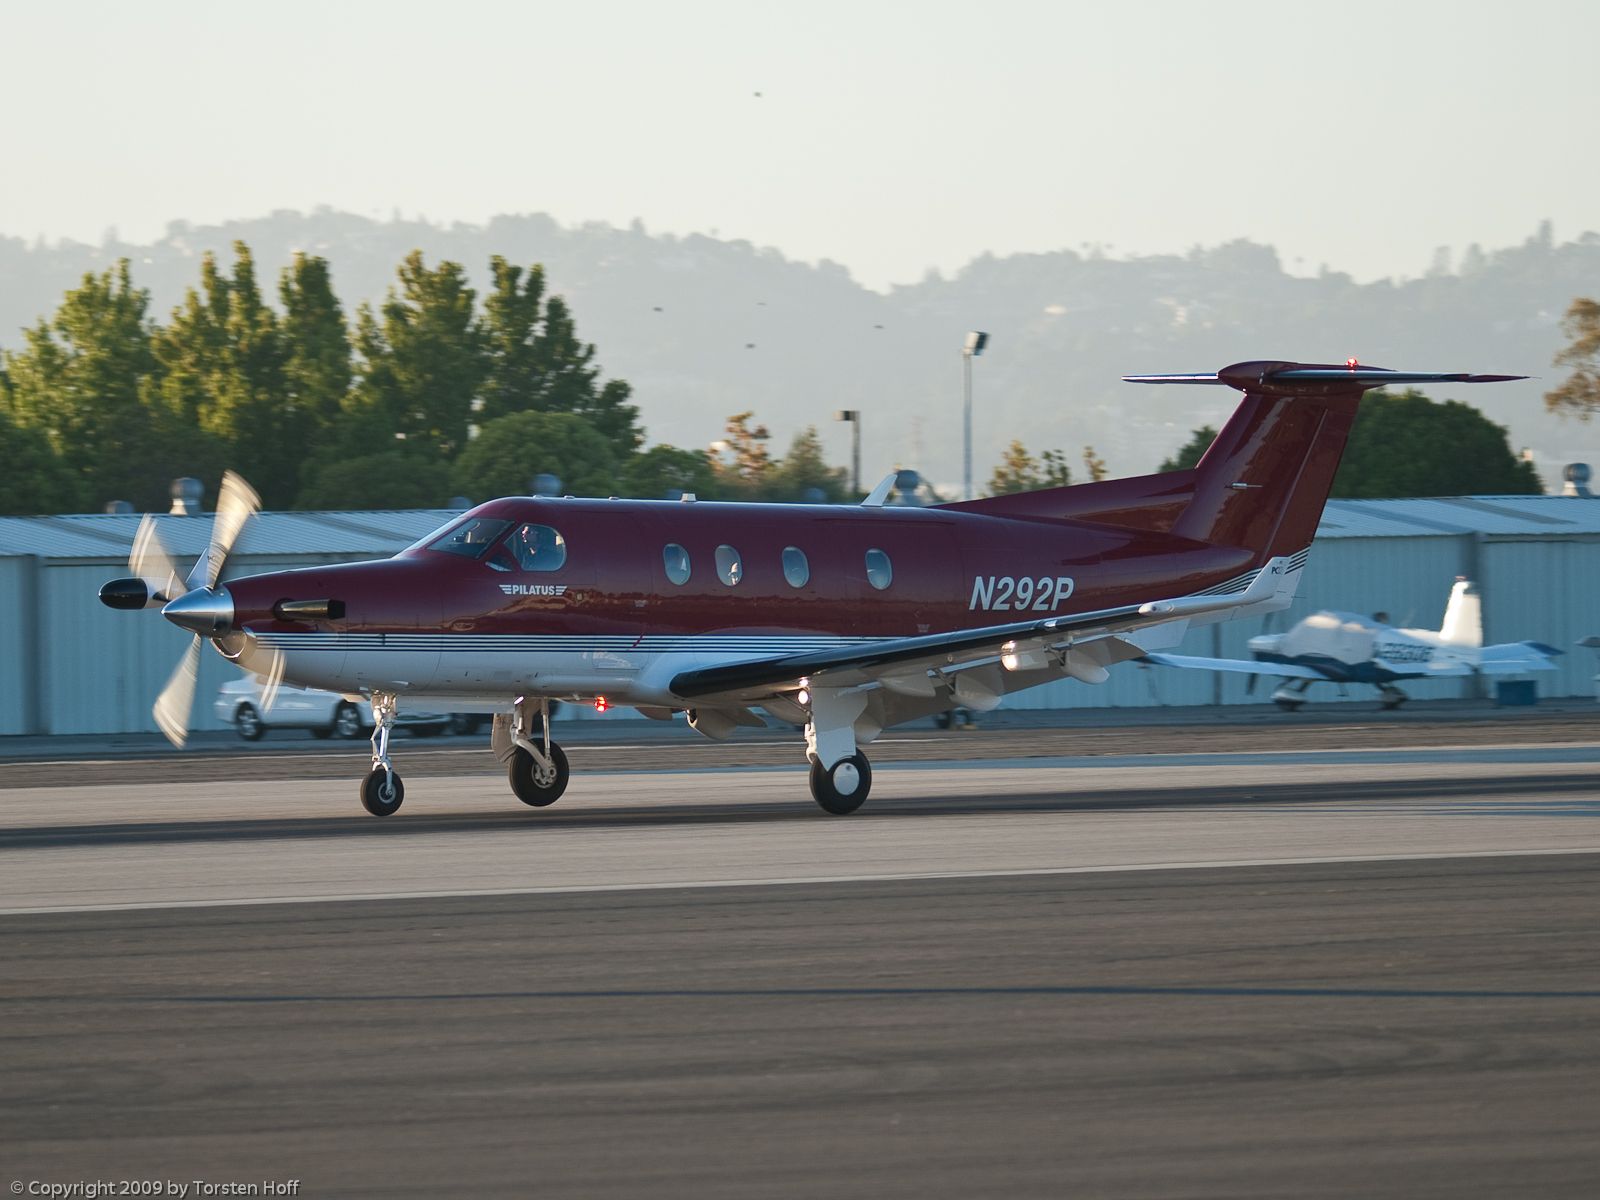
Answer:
(1509, 516)
(269, 535)
(367, 534)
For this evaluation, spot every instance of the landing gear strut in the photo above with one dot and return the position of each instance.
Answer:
(382, 791)
(538, 773)
(1390, 696)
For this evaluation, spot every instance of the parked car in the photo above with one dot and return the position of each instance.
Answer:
(325, 714)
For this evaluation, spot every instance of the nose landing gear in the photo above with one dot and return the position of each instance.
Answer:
(381, 791)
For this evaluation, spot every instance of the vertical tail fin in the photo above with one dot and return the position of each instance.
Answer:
(1463, 616)
(1263, 483)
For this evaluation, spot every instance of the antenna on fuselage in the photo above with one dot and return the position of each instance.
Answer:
(880, 494)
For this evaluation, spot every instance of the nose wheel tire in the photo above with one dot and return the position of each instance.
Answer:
(535, 785)
(843, 787)
(382, 792)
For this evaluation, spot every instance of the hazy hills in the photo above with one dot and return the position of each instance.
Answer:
(704, 328)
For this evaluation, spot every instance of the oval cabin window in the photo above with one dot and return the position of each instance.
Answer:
(676, 561)
(730, 567)
(795, 567)
(880, 573)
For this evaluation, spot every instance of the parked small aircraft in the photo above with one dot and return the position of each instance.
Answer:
(843, 619)
(1341, 647)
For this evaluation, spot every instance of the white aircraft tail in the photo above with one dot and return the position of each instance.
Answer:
(1463, 616)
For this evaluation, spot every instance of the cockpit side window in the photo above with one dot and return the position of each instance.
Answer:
(471, 538)
(538, 548)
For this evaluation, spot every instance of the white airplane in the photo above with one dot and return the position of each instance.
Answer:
(1341, 647)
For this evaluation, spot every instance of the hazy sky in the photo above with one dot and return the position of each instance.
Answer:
(890, 137)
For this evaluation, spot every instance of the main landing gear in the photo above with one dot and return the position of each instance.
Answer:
(841, 776)
(537, 767)
(843, 787)
(1291, 696)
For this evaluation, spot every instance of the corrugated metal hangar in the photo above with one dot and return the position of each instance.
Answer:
(69, 665)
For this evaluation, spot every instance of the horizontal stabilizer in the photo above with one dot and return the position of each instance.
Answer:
(1513, 658)
(1299, 373)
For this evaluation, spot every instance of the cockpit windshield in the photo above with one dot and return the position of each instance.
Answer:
(471, 538)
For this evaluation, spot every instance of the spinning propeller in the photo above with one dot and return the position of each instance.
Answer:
(195, 603)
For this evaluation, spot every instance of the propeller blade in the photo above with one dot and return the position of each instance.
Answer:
(271, 678)
(236, 502)
(151, 563)
(176, 701)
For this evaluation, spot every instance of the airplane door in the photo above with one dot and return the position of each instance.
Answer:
(612, 556)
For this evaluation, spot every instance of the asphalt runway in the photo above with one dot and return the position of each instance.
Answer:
(1294, 972)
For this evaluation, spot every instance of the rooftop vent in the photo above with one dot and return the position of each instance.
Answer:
(120, 508)
(1575, 477)
(186, 494)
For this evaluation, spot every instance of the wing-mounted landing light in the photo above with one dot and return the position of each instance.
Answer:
(198, 603)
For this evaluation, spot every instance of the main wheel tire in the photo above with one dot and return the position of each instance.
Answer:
(248, 722)
(532, 786)
(842, 788)
(346, 720)
(382, 792)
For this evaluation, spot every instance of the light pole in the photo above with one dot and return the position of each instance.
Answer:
(853, 415)
(976, 341)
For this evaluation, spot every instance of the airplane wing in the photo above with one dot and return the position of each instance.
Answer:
(1243, 666)
(860, 664)
(1513, 658)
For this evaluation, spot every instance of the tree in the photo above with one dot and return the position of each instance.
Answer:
(316, 367)
(666, 472)
(222, 360)
(1092, 463)
(1191, 451)
(422, 362)
(81, 381)
(1019, 471)
(803, 473)
(507, 453)
(744, 474)
(35, 480)
(1408, 445)
(388, 478)
(1580, 395)
(538, 364)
